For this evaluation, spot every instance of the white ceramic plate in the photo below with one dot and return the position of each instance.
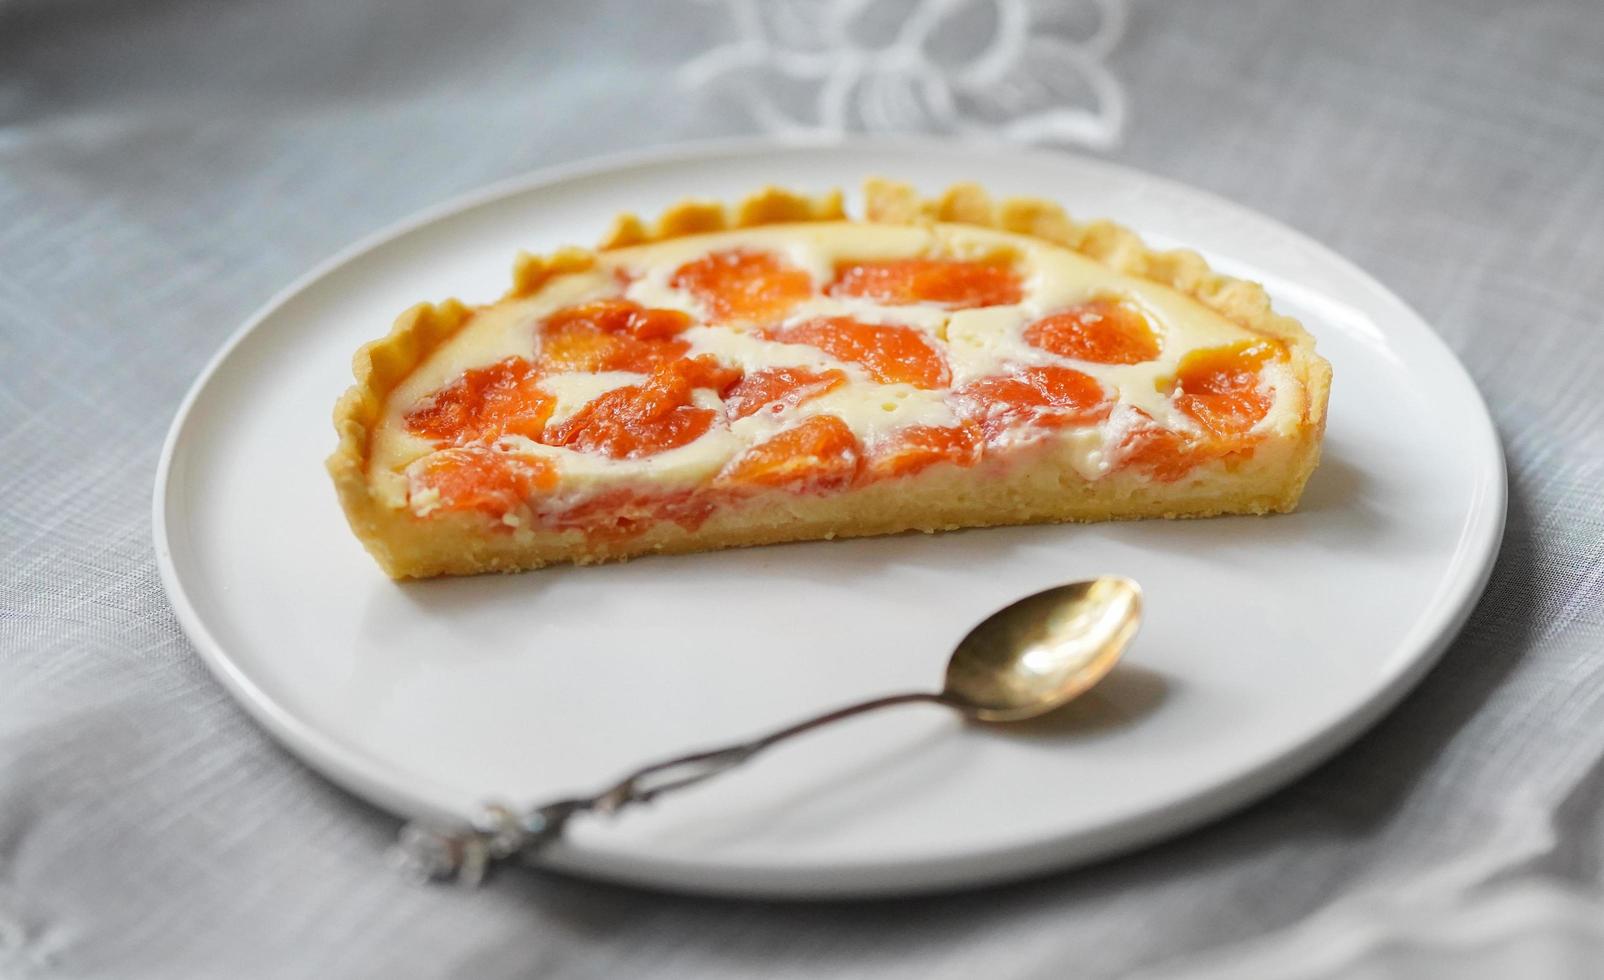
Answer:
(1269, 642)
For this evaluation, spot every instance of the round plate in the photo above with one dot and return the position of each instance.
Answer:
(1268, 643)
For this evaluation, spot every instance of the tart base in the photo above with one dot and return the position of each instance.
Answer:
(942, 498)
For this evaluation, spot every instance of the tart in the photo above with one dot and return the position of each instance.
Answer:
(777, 371)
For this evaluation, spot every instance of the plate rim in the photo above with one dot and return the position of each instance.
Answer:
(350, 768)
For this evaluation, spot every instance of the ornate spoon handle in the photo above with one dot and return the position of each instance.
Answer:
(501, 832)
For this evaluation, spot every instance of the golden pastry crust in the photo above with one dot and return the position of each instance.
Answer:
(769, 206)
(405, 547)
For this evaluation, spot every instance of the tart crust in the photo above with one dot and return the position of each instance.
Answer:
(455, 543)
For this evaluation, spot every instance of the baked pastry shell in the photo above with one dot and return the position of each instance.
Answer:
(407, 547)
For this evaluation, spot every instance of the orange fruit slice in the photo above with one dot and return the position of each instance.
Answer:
(918, 447)
(483, 404)
(1220, 387)
(1102, 330)
(618, 515)
(740, 284)
(645, 419)
(957, 284)
(889, 353)
(779, 387)
(479, 478)
(1050, 396)
(611, 335)
(819, 454)
(1164, 454)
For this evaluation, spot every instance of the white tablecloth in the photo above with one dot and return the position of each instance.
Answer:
(167, 165)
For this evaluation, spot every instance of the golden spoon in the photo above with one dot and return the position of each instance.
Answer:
(1023, 660)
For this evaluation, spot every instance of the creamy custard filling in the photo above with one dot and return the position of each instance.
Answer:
(976, 346)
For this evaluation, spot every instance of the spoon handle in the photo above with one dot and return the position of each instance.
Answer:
(500, 832)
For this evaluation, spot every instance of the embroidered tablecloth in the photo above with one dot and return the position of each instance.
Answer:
(167, 165)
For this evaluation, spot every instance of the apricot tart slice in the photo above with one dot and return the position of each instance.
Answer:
(777, 371)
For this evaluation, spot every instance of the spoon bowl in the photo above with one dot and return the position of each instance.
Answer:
(1046, 649)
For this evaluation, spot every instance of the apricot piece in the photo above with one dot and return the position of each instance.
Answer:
(617, 515)
(1164, 454)
(707, 371)
(1169, 455)
(618, 316)
(888, 352)
(916, 447)
(1220, 387)
(1050, 396)
(645, 419)
(483, 404)
(741, 284)
(479, 478)
(957, 284)
(611, 335)
(779, 387)
(1101, 330)
(817, 455)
